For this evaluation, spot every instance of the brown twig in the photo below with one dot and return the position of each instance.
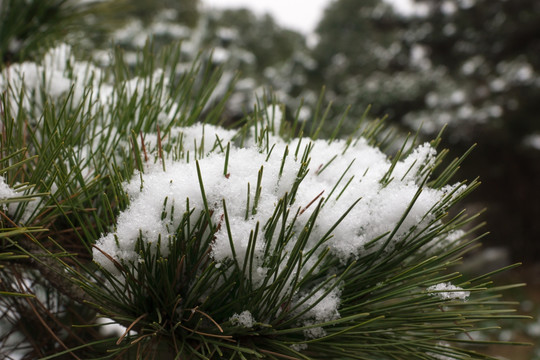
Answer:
(44, 323)
(160, 147)
(130, 327)
(224, 337)
(209, 318)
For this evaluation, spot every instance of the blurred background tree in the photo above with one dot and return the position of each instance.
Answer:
(471, 65)
(491, 52)
(187, 11)
(26, 27)
(363, 60)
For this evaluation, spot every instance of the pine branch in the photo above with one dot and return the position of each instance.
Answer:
(47, 265)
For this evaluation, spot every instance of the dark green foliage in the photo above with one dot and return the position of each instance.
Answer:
(27, 28)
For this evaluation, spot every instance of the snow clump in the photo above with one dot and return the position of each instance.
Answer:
(341, 177)
(11, 198)
(384, 203)
(244, 319)
(6, 192)
(447, 291)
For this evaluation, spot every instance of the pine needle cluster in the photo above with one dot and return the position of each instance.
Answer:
(122, 197)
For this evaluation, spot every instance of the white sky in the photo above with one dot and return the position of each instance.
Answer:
(300, 15)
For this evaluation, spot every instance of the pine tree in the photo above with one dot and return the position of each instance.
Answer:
(123, 200)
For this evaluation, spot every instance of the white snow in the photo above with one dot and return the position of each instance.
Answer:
(378, 212)
(10, 200)
(108, 327)
(447, 291)
(244, 319)
(381, 205)
(6, 192)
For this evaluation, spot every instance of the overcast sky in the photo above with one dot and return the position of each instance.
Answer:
(301, 15)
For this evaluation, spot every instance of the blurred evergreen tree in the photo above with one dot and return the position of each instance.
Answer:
(351, 29)
(261, 35)
(266, 58)
(491, 51)
(363, 60)
(146, 10)
(473, 65)
(29, 27)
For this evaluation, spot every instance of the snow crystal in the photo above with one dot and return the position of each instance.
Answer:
(274, 116)
(447, 291)
(443, 241)
(244, 319)
(58, 58)
(326, 309)
(55, 76)
(108, 327)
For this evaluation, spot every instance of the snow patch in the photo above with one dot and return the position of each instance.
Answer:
(244, 319)
(447, 291)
